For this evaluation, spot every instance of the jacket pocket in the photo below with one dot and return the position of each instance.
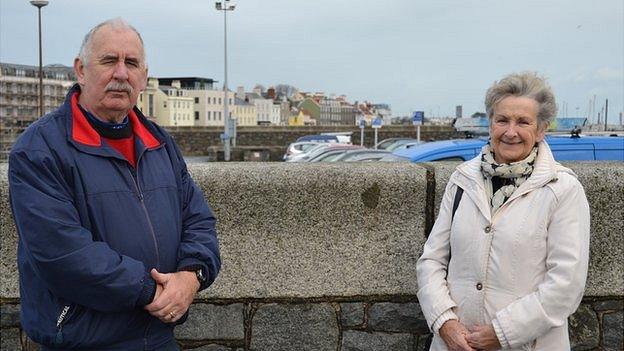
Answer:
(67, 312)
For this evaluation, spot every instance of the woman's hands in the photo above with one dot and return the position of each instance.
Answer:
(454, 335)
(483, 337)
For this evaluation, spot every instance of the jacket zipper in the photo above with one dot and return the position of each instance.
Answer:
(59, 324)
(149, 221)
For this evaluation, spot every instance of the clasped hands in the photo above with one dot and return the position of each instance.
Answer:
(174, 294)
(459, 338)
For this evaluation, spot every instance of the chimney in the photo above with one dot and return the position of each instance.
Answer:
(240, 93)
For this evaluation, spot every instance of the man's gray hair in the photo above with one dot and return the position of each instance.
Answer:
(524, 84)
(115, 23)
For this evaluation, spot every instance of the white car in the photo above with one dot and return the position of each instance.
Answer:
(298, 148)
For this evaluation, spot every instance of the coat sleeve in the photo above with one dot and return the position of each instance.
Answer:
(60, 250)
(199, 246)
(561, 291)
(433, 293)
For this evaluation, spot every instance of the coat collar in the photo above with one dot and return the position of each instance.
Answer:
(470, 178)
(82, 132)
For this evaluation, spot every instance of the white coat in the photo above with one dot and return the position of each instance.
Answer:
(521, 269)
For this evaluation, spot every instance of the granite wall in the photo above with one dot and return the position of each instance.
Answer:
(322, 257)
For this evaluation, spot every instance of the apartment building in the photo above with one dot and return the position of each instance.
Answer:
(245, 113)
(167, 105)
(19, 90)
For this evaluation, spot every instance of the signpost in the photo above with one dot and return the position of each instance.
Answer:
(362, 125)
(417, 120)
(376, 124)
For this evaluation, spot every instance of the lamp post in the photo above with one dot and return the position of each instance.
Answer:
(39, 4)
(225, 6)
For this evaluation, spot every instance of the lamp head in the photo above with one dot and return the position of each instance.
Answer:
(39, 3)
(225, 5)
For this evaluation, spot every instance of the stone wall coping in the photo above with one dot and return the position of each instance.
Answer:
(305, 231)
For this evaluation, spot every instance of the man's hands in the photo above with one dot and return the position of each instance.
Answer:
(483, 337)
(174, 294)
(454, 335)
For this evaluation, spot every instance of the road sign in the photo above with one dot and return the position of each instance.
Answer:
(418, 117)
(362, 122)
(377, 122)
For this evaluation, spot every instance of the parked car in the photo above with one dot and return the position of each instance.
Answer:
(306, 154)
(342, 138)
(297, 148)
(362, 155)
(404, 144)
(329, 153)
(564, 148)
(384, 144)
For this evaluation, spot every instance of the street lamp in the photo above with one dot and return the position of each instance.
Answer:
(39, 4)
(225, 6)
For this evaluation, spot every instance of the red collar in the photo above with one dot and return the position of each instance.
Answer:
(83, 133)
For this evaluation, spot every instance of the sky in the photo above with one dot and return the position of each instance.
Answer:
(428, 55)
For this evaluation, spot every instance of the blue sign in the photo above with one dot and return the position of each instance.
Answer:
(418, 117)
(377, 122)
(362, 122)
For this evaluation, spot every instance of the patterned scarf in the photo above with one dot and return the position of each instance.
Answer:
(514, 173)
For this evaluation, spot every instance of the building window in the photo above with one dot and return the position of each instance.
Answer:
(165, 104)
(197, 100)
(150, 105)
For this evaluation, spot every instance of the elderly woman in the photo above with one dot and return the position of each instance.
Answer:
(506, 261)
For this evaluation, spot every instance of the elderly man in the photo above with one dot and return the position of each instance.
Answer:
(115, 238)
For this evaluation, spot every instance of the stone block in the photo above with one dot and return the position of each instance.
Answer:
(10, 339)
(9, 315)
(213, 322)
(613, 331)
(353, 340)
(351, 314)
(294, 327)
(311, 230)
(584, 329)
(609, 305)
(397, 317)
(603, 186)
(8, 240)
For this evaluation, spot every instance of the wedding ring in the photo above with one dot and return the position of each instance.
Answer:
(172, 315)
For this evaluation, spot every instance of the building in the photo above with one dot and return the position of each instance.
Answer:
(245, 113)
(167, 105)
(19, 90)
(207, 100)
(383, 111)
(310, 107)
(330, 112)
(264, 108)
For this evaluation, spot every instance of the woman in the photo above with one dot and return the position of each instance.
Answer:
(508, 266)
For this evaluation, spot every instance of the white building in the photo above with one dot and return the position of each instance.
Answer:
(168, 105)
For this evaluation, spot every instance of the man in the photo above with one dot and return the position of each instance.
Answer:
(115, 238)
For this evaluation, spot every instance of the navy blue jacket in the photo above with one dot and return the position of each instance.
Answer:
(91, 227)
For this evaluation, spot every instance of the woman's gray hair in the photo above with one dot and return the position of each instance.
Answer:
(115, 23)
(524, 84)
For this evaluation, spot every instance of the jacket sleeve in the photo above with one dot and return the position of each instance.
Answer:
(433, 293)
(561, 291)
(60, 250)
(199, 246)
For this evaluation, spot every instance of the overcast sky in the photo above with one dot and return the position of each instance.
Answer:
(412, 54)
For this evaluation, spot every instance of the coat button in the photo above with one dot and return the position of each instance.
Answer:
(479, 286)
(488, 229)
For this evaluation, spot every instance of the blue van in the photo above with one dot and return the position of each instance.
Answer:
(564, 148)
